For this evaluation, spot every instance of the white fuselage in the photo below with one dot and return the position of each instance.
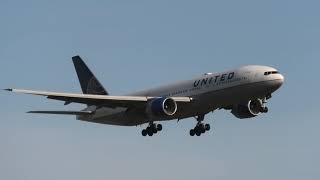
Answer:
(209, 92)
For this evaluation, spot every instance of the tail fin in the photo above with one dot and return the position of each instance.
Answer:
(89, 83)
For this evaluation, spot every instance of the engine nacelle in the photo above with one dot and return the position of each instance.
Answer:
(161, 107)
(249, 109)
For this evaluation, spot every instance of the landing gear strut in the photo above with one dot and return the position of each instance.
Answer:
(264, 109)
(151, 129)
(200, 127)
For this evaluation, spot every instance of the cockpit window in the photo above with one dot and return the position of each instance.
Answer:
(270, 72)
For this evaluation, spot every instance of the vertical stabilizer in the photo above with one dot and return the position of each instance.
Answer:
(89, 83)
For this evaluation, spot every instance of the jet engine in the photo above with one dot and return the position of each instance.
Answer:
(161, 107)
(249, 109)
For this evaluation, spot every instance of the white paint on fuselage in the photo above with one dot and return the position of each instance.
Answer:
(210, 91)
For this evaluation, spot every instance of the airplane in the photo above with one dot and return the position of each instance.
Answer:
(244, 91)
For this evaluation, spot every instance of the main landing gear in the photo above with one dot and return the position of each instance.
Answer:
(151, 129)
(200, 127)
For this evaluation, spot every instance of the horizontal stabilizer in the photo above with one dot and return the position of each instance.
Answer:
(63, 112)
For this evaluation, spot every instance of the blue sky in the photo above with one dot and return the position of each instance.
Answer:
(132, 45)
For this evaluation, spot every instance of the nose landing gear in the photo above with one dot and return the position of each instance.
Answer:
(151, 129)
(264, 108)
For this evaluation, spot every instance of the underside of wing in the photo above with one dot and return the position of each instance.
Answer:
(63, 112)
(98, 100)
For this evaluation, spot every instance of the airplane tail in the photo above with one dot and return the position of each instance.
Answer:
(89, 83)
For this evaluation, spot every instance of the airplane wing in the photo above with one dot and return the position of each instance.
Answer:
(98, 100)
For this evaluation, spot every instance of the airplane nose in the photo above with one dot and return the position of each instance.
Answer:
(280, 80)
(277, 82)
(281, 77)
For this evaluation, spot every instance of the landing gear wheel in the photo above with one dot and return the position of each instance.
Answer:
(198, 133)
(150, 133)
(192, 132)
(159, 127)
(144, 132)
(207, 127)
(202, 128)
(154, 130)
(264, 109)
